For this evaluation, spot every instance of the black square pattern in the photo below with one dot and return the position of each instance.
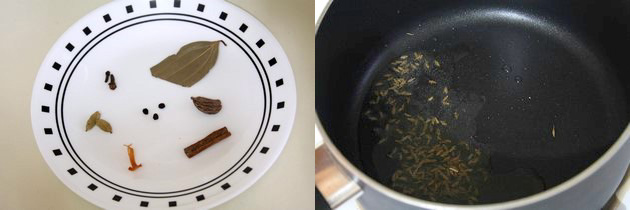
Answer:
(107, 18)
(223, 16)
(47, 87)
(56, 66)
(225, 186)
(280, 105)
(264, 150)
(45, 109)
(279, 83)
(201, 7)
(272, 61)
(87, 31)
(70, 47)
(71, 171)
(129, 8)
(116, 198)
(275, 128)
(48, 131)
(172, 203)
(247, 170)
(152, 4)
(144, 203)
(200, 197)
(260, 43)
(92, 187)
(57, 152)
(177, 3)
(243, 27)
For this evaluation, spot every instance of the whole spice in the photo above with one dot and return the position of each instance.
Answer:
(92, 120)
(104, 125)
(132, 158)
(95, 120)
(112, 82)
(206, 142)
(161, 105)
(106, 76)
(418, 118)
(206, 105)
(191, 63)
(155, 116)
(145, 111)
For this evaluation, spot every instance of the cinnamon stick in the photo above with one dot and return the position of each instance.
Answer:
(206, 142)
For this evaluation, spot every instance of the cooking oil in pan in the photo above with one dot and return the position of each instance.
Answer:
(414, 109)
(425, 127)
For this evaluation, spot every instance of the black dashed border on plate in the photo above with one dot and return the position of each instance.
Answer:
(92, 187)
(107, 18)
(45, 109)
(272, 61)
(200, 198)
(48, 87)
(56, 66)
(279, 82)
(69, 47)
(57, 152)
(247, 170)
(72, 171)
(260, 43)
(87, 31)
(129, 10)
(243, 28)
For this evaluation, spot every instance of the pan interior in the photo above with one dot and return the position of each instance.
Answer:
(537, 100)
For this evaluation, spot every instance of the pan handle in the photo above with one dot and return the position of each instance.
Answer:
(337, 186)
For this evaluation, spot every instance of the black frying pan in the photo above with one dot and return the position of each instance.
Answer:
(535, 64)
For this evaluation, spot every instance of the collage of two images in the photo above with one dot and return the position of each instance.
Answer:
(325, 104)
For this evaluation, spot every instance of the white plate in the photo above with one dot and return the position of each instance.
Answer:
(252, 78)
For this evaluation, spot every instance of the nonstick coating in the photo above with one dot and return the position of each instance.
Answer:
(566, 67)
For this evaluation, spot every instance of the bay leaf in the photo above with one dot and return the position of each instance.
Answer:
(104, 125)
(191, 63)
(91, 122)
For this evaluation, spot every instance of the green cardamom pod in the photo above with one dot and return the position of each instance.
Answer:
(92, 120)
(104, 125)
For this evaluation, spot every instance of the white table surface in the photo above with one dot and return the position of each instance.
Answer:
(27, 31)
